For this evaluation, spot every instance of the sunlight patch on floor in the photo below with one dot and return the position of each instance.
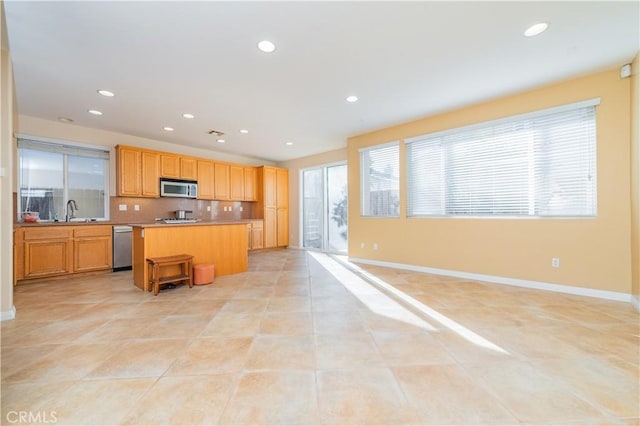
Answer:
(375, 300)
(461, 330)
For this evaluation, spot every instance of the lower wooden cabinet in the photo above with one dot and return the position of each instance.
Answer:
(46, 251)
(270, 227)
(92, 248)
(255, 234)
(47, 257)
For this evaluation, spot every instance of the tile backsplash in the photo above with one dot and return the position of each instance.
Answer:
(152, 208)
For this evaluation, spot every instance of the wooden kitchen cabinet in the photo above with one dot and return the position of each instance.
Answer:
(221, 181)
(255, 234)
(282, 227)
(206, 189)
(137, 172)
(149, 174)
(269, 235)
(92, 248)
(282, 189)
(46, 251)
(177, 167)
(269, 186)
(188, 168)
(236, 182)
(250, 182)
(273, 204)
(170, 166)
(129, 176)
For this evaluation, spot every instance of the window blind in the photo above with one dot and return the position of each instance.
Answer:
(60, 148)
(379, 180)
(541, 164)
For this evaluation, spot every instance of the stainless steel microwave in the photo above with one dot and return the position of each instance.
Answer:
(178, 188)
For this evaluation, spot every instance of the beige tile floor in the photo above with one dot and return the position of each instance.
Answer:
(302, 339)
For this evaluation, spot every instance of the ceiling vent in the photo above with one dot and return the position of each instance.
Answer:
(215, 132)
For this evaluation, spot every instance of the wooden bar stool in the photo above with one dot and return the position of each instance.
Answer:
(185, 262)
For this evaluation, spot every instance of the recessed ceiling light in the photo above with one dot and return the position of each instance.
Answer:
(94, 112)
(289, 143)
(106, 93)
(220, 141)
(245, 131)
(65, 119)
(536, 29)
(266, 46)
(168, 129)
(189, 116)
(351, 98)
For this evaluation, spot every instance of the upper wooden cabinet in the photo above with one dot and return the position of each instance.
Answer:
(282, 188)
(236, 182)
(177, 167)
(129, 177)
(150, 174)
(188, 168)
(221, 181)
(250, 183)
(206, 180)
(138, 172)
(170, 166)
(269, 186)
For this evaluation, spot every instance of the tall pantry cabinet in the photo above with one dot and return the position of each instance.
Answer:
(273, 205)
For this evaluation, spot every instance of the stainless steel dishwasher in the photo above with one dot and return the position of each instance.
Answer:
(121, 247)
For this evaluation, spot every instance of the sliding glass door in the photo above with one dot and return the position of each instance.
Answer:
(324, 208)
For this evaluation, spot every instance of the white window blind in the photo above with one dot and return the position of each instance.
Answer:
(379, 180)
(539, 164)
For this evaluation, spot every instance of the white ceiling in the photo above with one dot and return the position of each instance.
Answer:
(404, 60)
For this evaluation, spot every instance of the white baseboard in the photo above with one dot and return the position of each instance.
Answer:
(579, 291)
(8, 315)
(635, 302)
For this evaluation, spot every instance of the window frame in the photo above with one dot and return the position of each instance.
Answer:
(66, 148)
(365, 192)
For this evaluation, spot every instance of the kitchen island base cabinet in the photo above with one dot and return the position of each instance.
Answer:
(221, 244)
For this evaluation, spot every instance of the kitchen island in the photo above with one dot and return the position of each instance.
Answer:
(221, 243)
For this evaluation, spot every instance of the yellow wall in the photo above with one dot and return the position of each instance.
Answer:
(7, 109)
(594, 253)
(33, 126)
(294, 167)
(635, 177)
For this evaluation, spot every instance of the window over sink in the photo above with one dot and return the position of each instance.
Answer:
(59, 181)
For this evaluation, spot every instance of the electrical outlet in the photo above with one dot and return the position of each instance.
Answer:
(361, 245)
(375, 246)
(208, 208)
(241, 209)
(136, 207)
(555, 262)
(122, 207)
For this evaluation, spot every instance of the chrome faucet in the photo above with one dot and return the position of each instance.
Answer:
(71, 205)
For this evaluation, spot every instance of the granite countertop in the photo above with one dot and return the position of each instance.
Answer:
(199, 223)
(142, 224)
(63, 223)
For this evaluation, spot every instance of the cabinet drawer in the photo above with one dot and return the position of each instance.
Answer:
(48, 233)
(255, 224)
(92, 231)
